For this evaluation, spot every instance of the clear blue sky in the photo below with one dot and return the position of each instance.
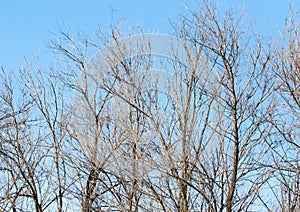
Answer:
(26, 25)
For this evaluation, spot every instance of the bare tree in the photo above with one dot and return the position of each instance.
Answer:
(286, 156)
(234, 81)
(25, 171)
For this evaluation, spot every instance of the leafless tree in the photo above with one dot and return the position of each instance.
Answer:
(286, 70)
(25, 170)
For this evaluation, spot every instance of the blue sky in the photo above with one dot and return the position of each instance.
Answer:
(25, 26)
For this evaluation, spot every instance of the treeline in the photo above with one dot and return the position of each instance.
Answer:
(214, 126)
